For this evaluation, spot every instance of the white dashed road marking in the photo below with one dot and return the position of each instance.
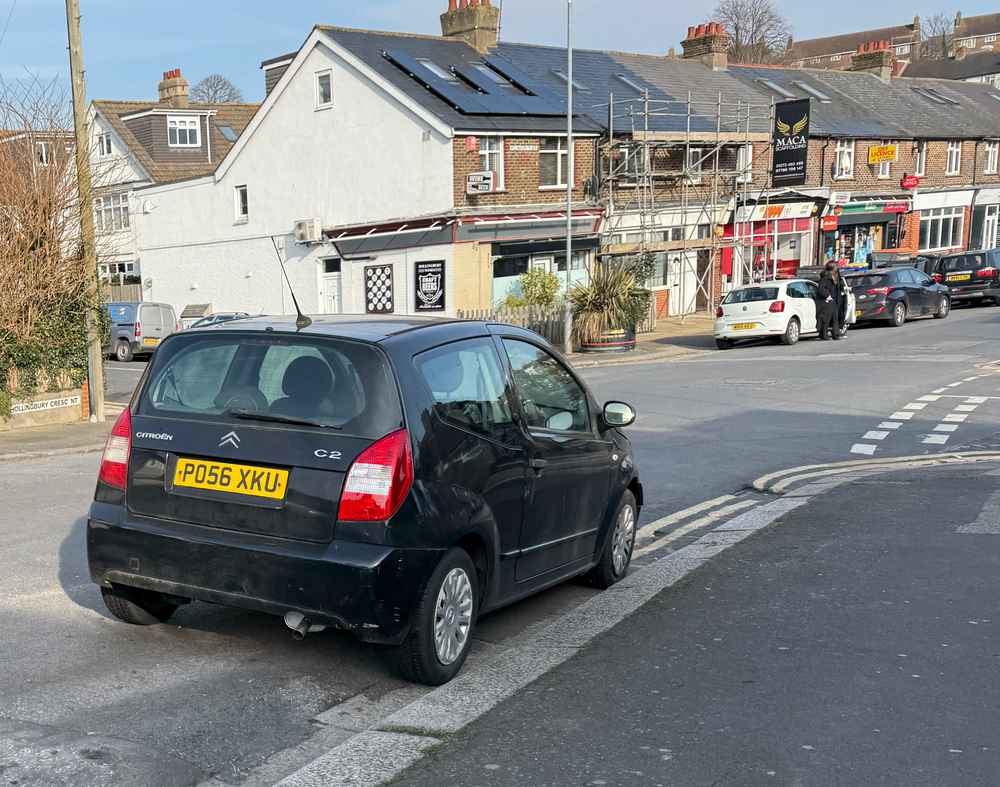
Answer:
(929, 398)
(966, 408)
(936, 439)
(955, 419)
(901, 416)
(890, 425)
(977, 400)
(875, 435)
(863, 448)
(917, 406)
(946, 428)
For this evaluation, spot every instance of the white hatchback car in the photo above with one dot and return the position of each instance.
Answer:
(785, 309)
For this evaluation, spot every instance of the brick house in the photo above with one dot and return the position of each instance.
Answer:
(836, 52)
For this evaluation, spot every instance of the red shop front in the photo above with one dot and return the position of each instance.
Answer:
(768, 249)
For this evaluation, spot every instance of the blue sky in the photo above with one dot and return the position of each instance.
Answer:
(129, 43)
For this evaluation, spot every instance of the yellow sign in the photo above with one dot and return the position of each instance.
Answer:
(880, 154)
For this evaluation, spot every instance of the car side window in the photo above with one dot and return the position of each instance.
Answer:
(811, 290)
(467, 383)
(794, 290)
(550, 397)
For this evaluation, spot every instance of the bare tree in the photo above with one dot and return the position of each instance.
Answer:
(216, 89)
(758, 31)
(938, 32)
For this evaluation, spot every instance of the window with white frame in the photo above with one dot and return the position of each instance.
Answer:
(242, 203)
(43, 153)
(324, 88)
(844, 164)
(903, 49)
(992, 152)
(693, 164)
(744, 163)
(116, 271)
(921, 159)
(884, 169)
(954, 166)
(632, 162)
(552, 162)
(184, 132)
(111, 213)
(491, 159)
(941, 228)
(104, 148)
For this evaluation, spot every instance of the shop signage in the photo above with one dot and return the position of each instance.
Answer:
(791, 142)
(896, 207)
(480, 183)
(877, 207)
(909, 182)
(20, 408)
(790, 210)
(524, 147)
(379, 290)
(883, 154)
(840, 197)
(428, 279)
(829, 223)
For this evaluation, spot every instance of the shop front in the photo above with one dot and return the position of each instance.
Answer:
(986, 220)
(850, 233)
(767, 242)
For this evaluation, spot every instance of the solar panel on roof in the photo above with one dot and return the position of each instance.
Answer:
(517, 77)
(944, 97)
(493, 96)
(814, 92)
(464, 101)
(776, 88)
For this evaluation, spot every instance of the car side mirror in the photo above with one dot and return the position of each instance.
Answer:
(619, 414)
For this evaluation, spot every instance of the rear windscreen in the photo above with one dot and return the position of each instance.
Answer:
(752, 294)
(330, 383)
(868, 282)
(964, 262)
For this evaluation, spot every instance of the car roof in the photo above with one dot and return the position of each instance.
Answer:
(345, 326)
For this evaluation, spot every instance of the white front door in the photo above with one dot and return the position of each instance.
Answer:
(991, 227)
(330, 293)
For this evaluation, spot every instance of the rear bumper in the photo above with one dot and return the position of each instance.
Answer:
(368, 589)
(974, 292)
(763, 326)
(873, 310)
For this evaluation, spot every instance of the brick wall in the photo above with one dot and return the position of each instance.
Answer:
(521, 182)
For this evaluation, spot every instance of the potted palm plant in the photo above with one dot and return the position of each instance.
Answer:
(607, 309)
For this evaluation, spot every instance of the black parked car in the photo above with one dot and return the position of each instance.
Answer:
(972, 276)
(395, 478)
(896, 295)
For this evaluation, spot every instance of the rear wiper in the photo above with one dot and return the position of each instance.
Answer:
(253, 415)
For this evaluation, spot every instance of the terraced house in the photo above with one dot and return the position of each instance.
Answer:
(398, 173)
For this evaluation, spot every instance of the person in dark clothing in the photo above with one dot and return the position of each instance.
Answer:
(839, 299)
(826, 305)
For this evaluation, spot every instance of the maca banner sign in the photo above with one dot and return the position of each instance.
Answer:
(791, 142)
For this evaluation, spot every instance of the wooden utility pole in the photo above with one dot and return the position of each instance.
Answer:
(85, 189)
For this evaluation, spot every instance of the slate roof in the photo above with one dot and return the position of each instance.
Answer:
(984, 25)
(236, 116)
(972, 65)
(848, 42)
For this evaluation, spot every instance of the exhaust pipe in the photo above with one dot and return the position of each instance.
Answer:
(301, 625)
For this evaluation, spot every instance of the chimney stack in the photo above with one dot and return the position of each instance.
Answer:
(708, 43)
(875, 57)
(174, 89)
(477, 22)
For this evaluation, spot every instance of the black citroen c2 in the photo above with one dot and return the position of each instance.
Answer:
(392, 477)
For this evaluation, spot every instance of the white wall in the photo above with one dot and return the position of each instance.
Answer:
(367, 159)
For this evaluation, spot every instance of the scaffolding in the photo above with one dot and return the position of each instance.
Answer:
(671, 174)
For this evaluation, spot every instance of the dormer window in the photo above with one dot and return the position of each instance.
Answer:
(183, 132)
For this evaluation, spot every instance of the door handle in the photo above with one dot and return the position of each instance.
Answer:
(538, 465)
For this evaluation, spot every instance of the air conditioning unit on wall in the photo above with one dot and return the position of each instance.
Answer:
(308, 231)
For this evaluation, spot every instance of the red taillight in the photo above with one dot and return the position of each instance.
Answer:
(938, 278)
(777, 307)
(986, 273)
(877, 291)
(378, 481)
(114, 463)
(719, 312)
(138, 329)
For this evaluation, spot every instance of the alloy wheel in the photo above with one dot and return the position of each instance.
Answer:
(453, 616)
(623, 539)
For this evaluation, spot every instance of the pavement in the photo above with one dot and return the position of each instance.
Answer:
(674, 337)
(47, 441)
(230, 699)
(853, 642)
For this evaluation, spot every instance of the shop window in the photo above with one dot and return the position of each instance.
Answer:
(505, 267)
(941, 228)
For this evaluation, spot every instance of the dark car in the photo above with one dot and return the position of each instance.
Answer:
(927, 263)
(972, 276)
(137, 328)
(896, 295)
(395, 478)
(219, 317)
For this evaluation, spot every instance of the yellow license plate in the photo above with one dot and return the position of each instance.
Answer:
(235, 479)
(961, 277)
(744, 326)
(150, 342)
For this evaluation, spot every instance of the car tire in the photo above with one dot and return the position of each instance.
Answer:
(123, 352)
(137, 607)
(617, 554)
(943, 309)
(425, 658)
(898, 314)
(724, 344)
(792, 332)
